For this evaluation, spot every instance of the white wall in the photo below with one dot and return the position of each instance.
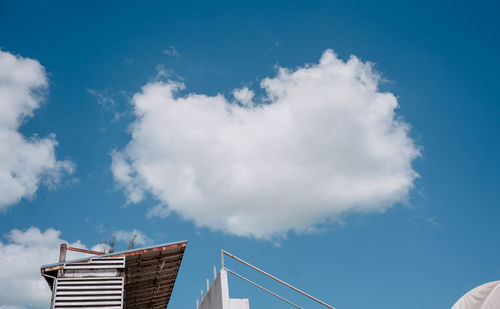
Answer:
(218, 296)
(239, 303)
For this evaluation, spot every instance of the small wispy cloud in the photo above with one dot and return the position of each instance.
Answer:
(163, 74)
(431, 220)
(171, 51)
(275, 45)
(108, 100)
(160, 210)
(104, 100)
(121, 238)
(127, 235)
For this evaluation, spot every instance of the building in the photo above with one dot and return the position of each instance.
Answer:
(217, 296)
(141, 278)
(137, 278)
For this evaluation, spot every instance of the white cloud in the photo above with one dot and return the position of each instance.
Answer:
(21, 285)
(171, 51)
(123, 171)
(127, 235)
(109, 101)
(11, 307)
(159, 210)
(322, 142)
(123, 237)
(22, 254)
(105, 100)
(244, 96)
(24, 162)
(101, 247)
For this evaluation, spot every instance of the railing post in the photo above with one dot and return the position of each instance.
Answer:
(221, 259)
(62, 252)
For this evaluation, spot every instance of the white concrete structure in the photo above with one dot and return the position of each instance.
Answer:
(486, 296)
(218, 295)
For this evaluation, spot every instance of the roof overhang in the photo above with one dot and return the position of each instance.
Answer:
(150, 273)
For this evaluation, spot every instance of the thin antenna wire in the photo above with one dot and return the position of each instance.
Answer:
(272, 277)
(263, 288)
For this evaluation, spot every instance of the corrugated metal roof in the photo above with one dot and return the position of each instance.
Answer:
(150, 273)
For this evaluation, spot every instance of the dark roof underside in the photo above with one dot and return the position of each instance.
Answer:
(150, 277)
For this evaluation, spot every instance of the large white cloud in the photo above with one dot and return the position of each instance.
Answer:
(22, 254)
(21, 285)
(24, 162)
(323, 141)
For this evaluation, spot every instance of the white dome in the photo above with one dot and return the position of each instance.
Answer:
(486, 296)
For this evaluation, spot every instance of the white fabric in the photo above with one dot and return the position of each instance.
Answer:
(486, 296)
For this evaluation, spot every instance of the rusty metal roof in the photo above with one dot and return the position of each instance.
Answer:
(150, 273)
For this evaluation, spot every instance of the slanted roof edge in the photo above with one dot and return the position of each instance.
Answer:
(120, 253)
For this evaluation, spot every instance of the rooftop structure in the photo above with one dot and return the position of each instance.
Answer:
(141, 278)
(137, 278)
(217, 295)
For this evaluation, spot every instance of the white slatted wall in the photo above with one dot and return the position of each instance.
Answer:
(98, 283)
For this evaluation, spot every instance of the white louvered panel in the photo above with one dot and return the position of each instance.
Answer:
(96, 283)
(88, 280)
(81, 293)
(112, 266)
(96, 267)
(98, 263)
(87, 287)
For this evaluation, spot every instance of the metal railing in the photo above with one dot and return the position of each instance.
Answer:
(222, 253)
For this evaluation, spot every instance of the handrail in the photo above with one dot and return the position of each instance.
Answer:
(272, 277)
(263, 288)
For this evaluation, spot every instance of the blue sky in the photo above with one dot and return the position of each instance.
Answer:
(423, 249)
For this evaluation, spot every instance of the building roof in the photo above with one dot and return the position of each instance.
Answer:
(150, 273)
